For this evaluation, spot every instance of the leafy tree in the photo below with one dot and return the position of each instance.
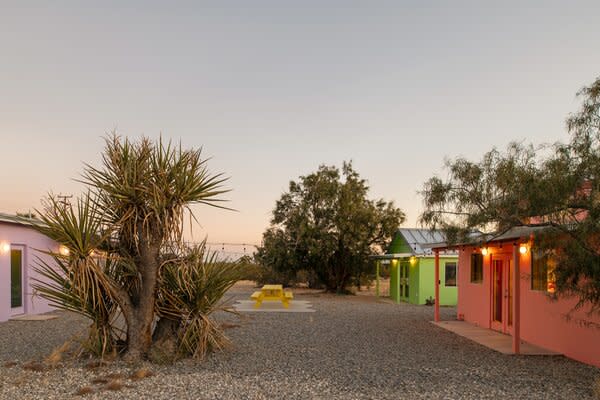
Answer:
(125, 252)
(326, 224)
(557, 187)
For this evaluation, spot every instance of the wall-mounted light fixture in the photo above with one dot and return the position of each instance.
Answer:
(4, 247)
(484, 251)
(523, 248)
(413, 260)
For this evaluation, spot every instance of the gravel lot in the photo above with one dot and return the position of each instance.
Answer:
(353, 347)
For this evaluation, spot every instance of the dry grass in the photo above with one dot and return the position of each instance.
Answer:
(34, 366)
(597, 388)
(58, 354)
(141, 374)
(114, 385)
(94, 364)
(100, 381)
(9, 364)
(82, 391)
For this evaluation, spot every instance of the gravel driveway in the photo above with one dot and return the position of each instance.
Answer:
(353, 347)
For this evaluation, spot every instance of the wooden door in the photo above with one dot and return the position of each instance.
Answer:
(501, 294)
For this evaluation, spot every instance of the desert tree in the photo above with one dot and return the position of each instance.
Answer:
(327, 225)
(125, 258)
(555, 186)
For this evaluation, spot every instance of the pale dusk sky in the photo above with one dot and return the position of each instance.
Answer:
(273, 89)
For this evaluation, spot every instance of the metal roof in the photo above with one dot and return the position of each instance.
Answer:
(514, 233)
(418, 239)
(13, 219)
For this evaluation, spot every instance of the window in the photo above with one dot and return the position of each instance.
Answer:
(542, 271)
(476, 268)
(450, 274)
(16, 278)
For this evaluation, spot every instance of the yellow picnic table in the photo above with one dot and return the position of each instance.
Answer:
(272, 293)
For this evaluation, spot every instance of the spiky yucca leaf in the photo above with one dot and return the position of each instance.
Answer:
(192, 289)
(82, 280)
(148, 186)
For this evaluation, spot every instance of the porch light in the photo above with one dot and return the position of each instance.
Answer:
(413, 260)
(484, 251)
(523, 248)
(64, 250)
(4, 247)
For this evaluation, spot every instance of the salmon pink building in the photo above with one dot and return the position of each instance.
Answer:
(507, 286)
(20, 246)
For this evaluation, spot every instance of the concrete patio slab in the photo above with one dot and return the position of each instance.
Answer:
(491, 339)
(296, 306)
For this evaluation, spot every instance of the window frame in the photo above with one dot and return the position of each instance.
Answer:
(541, 271)
(476, 268)
(452, 264)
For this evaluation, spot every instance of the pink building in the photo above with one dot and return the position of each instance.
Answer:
(506, 285)
(19, 249)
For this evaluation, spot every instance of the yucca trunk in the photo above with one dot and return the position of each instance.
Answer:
(140, 315)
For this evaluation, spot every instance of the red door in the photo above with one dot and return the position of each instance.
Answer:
(501, 288)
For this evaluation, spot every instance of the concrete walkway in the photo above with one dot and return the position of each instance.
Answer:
(492, 339)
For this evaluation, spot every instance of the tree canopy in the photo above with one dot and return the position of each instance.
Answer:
(555, 186)
(325, 224)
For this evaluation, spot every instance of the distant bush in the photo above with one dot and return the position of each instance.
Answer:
(250, 269)
(263, 275)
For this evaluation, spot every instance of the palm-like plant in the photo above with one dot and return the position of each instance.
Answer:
(79, 280)
(192, 288)
(117, 235)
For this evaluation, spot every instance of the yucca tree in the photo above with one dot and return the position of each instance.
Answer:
(119, 232)
(191, 290)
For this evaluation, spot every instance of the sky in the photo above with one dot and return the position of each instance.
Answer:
(272, 89)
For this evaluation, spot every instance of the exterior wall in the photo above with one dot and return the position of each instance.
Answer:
(32, 241)
(554, 325)
(474, 299)
(546, 323)
(421, 281)
(448, 294)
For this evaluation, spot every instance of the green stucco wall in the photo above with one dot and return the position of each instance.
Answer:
(417, 279)
(399, 245)
(420, 280)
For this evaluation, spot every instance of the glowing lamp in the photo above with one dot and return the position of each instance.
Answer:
(4, 247)
(64, 250)
(484, 251)
(523, 249)
(413, 260)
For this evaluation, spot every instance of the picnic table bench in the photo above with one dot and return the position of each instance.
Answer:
(272, 293)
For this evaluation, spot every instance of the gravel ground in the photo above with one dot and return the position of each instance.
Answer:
(353, 347)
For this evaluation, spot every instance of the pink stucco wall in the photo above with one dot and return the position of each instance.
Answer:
(31, 241)
(546, 323)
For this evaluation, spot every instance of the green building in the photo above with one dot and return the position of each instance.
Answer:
(411, 266)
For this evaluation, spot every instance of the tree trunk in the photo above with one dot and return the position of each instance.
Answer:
(164, 341)
(139, 334)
